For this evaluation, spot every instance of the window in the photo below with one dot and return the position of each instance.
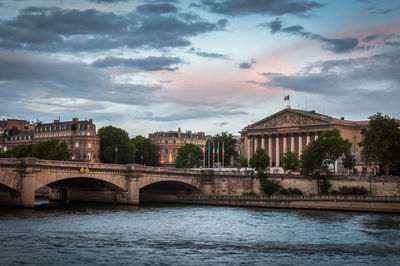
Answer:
(166, 142)
(174, 141)
(166, 150)
(77, 145)
(88, 133)
(83, 133)
(89, 145)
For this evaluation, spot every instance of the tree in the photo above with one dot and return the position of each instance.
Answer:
(189, 156)
(145, 151)
(111, 137)
(290, 161)
(47, 150)
(349, 161)
(229, 143)
(259, 160)
(321, 153)
(381, 141)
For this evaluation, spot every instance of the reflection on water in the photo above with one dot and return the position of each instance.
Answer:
(179, 234)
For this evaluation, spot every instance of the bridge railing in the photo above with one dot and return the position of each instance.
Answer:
(346, 198)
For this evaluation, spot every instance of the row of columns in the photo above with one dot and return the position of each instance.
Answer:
(252, 144)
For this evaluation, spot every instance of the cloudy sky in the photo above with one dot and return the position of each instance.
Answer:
(210, 65)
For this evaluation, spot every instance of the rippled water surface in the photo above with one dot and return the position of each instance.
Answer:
(193, 235)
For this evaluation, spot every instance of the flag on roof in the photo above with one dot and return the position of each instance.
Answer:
(286, 98)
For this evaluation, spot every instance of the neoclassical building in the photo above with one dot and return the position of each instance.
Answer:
(168, 143)
(292, 130)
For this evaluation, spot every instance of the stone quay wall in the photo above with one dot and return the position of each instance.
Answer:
(318, 202)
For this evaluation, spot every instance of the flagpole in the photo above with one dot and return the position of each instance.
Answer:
(218, 153)
(213, 155)
(223, 155)
(209, 154)
(204, 157)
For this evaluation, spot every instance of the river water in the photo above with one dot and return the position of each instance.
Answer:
(88, 234)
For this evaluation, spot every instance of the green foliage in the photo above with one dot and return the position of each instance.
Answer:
(189, 153)
(270, 186)
(290, 161)
(111, 137)
(324, 186)
(243, 162)
(145, 151)
(290, 191)
(381, 141)
(47, 150)
(349, 161)
(345, 190)
(321, 153)
(229, 146)
(259, 160)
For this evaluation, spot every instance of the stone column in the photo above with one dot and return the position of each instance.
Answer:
(308, 138)
(292, 143)
(262, 142)
(277, 151)
(284, 144)
(248, 149)
(255, 144)
(132, 184)
(270, 147)
(300, 144)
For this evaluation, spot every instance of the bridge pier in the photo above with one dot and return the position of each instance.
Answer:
(28, 191)
(132, 183)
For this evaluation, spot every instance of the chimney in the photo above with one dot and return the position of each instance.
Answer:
(91, 121)
(75, 119)
(313, 111)
(342, 118)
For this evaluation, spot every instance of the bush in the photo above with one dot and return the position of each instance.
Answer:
(324, 186)
(345, 190)
(270, 186)
(290, 191)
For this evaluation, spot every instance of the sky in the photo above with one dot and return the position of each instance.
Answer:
(211, 65)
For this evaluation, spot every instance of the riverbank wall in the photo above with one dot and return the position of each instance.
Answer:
(376, 186)
(317, 202)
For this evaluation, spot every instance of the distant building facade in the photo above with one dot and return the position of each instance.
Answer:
(292, 130)
(168, 143)
(80, 136)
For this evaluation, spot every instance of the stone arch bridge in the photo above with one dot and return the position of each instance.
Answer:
(20, 178)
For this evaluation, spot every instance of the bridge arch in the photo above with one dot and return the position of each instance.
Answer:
(147, 181)
(44, 180)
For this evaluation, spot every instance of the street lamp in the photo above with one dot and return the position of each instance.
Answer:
(116, 152)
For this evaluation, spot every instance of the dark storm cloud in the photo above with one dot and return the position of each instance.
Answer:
(107, 1)
(261, 7)
(150, 63)
(336, 45)
(194, 113)
(339, 77)
(55, 78)
(71, 30)
(245, 65)
(200, 53)
(370, 38)
(156, 8)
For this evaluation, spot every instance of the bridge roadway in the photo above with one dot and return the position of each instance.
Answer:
(20, 178)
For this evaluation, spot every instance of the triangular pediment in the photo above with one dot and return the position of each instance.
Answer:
(291, 118)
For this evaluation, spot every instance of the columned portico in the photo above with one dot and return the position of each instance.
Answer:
(277, 150)
(290, 129)
(270, 147)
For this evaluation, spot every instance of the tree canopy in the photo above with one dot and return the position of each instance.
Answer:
(259, 160)
(290, 161)
(224, 139)
(381, 141)
(189, 156)
(145, 151)
(323, 152)
(47, 150)
(111, 137)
